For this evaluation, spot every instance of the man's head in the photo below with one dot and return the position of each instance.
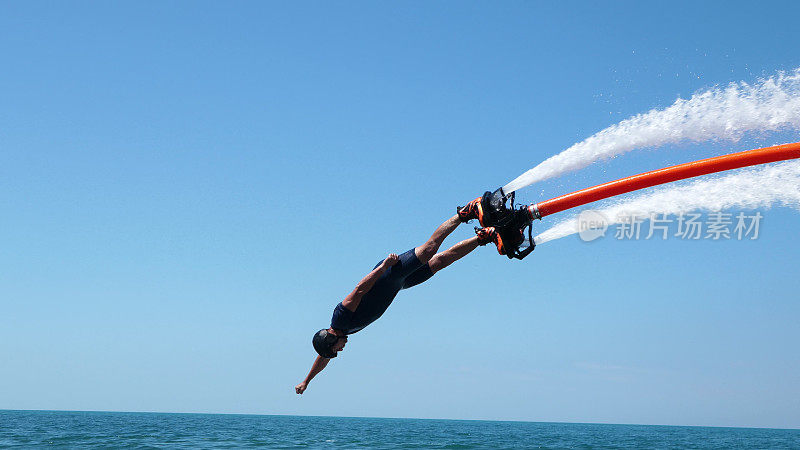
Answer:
(328, 342)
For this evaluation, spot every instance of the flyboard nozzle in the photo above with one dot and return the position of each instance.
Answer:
(509, 222)
(494, 207)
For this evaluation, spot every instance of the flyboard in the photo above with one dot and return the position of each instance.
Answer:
(514, 223)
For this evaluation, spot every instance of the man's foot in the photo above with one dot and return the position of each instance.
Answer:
(490, 234)
(486, 235)
(471, 211)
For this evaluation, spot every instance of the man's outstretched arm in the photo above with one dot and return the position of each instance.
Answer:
(316, 368)
(354, 298)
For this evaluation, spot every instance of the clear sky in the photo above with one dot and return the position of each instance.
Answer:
(188, 188)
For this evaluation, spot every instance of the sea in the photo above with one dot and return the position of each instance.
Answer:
(75, 429)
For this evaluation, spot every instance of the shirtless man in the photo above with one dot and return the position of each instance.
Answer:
(375, 292)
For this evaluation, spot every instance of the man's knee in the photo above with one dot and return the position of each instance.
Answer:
(425, 251)
(436, 263)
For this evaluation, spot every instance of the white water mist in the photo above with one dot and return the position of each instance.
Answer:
(760, 187)
(722, 113)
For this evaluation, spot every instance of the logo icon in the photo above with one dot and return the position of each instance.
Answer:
(591, 225)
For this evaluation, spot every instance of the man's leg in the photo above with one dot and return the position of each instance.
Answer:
(426, 251)
(444, 259)
(464, 214)
(453, 254)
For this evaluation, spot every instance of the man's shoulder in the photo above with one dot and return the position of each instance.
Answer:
(344, 309)
(341, 317)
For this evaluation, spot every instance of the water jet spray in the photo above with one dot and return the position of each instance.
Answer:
(514, 223)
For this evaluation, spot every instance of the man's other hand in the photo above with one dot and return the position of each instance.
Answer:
(300, 388)
(391, 259)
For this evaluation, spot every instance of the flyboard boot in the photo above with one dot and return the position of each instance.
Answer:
(486, 235)
(507, 223)
(472, 210)
(489, 234)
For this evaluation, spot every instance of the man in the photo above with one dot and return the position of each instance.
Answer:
(375, 292)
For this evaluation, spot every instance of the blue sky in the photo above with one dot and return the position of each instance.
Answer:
(188, 188)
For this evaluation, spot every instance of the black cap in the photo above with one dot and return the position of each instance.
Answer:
(323, 341)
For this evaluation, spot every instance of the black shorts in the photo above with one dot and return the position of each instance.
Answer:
(408, 272)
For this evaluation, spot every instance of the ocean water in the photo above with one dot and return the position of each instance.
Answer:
(73, 429)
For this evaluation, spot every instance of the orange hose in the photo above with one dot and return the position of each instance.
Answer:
(666, 175)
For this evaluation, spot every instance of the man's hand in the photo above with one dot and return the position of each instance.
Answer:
(300, 388)
(391, 260)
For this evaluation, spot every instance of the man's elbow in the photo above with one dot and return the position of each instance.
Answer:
(360, 290)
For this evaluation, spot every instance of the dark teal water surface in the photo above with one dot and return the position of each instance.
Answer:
(152, 430)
